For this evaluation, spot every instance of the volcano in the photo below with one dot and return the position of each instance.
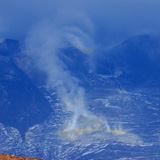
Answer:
(122, 94)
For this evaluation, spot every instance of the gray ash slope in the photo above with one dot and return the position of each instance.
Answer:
(123, 88)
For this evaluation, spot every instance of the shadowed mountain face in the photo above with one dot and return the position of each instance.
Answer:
(136, 60)
(22, 105)
(75, 60)
(132, 63)
(9, 47)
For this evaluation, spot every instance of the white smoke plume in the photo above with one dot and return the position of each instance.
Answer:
(43, 45)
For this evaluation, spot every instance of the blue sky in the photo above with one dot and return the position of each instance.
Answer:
(105, 21)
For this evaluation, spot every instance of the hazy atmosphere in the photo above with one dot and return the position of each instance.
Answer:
(110, 20)
(81, 78)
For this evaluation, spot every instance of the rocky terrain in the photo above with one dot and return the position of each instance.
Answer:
(8, 157)
(122, 94)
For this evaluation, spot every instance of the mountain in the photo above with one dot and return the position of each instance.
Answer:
(22, 104)
(136, 59)
(121, 86)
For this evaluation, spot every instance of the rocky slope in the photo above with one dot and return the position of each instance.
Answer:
(8, 157)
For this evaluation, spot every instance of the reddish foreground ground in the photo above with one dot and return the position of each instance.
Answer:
(7, 157)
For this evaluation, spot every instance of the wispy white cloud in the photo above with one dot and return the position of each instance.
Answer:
(43, 45)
